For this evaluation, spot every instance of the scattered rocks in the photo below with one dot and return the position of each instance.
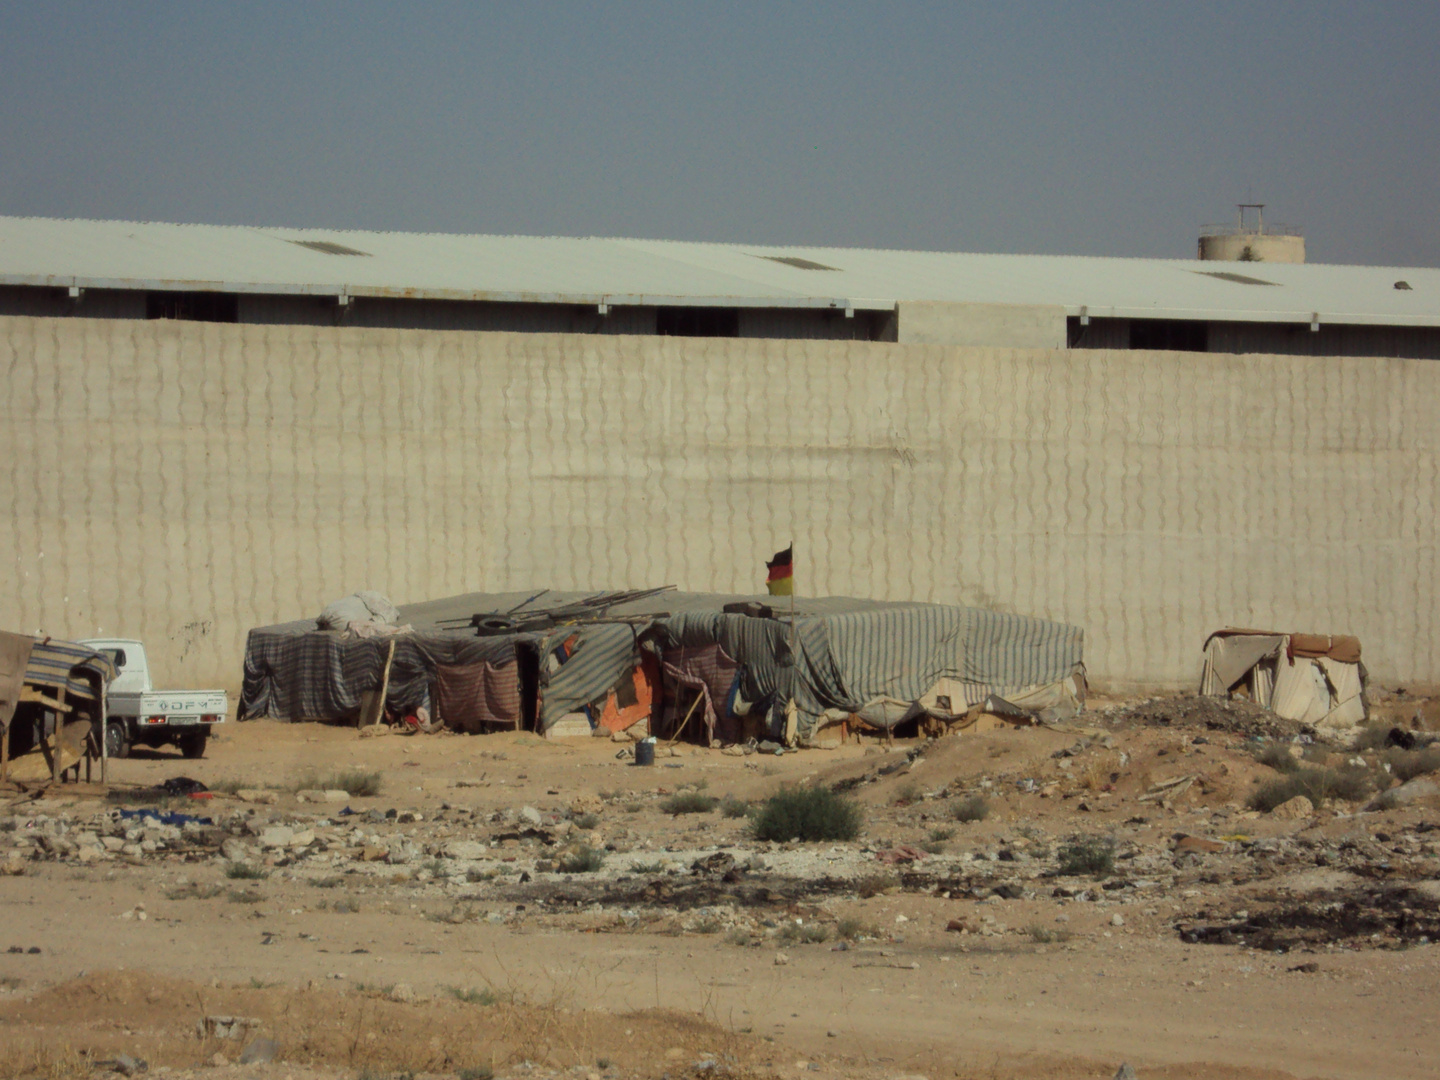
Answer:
(259, 1052)
(1404, 794)
(328, 795)
(468, 850)
(1292, 809)
(277, 836)
(1185, 844)
(225, 1027)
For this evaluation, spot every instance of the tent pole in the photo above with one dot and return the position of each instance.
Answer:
(794, 632)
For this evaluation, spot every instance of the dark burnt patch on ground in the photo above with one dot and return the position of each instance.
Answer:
(1379, 917)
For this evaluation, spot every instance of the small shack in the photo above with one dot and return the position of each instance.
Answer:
(52, 702)
(1314, 679)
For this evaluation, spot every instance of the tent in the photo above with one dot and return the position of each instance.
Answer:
(732, 665)
(1314, 679)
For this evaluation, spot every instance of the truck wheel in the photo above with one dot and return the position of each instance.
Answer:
(192, 743)
(117, 741)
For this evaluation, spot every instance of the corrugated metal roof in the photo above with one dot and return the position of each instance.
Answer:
(588, 270)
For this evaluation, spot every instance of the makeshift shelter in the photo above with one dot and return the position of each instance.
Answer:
(728, 666)
(330, 668)
(52, 696)
(1314, 679)
(878, 663)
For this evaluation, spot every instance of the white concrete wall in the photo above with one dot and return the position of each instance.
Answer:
(1014, 326)
(182, 482)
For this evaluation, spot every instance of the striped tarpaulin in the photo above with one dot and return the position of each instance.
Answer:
(78, 668)
(477, 697)
(601, 654)
(320, 675)
(900, 652)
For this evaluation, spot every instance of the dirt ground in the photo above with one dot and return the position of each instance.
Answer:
(441, 940)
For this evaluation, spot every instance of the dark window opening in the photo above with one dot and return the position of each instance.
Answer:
(697, 322)
(1173, 335)
(193, 306)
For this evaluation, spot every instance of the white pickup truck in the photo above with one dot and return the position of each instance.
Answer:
(136, 713)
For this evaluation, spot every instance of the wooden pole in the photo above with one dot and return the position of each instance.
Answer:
(794, 632)
(104, 732)
(385, 679)
(699, 695)
(59, 727)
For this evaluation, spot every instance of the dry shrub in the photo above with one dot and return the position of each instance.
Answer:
(1045, 935)
(853, 929)
(582, 860)
(810, 933)
(971, 808)
(243, 871)
(1350, 783)
(689, 802)
(1095, 775)
(877, 885)
(34, 1060)
(1278, 757)
(358, 783)
(1093, 855)
(908, 792)
(807, 814)
(1374, 736)
(1408, 764)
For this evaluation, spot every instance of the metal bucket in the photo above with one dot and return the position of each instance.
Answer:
(645, 751)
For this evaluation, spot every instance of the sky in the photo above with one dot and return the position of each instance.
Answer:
(1063, 128)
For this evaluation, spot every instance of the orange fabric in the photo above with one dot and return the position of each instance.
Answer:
(1344, 649)
(629, 703)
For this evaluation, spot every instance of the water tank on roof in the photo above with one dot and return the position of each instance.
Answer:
(1251, 240)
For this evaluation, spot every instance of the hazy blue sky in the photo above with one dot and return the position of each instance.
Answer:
(1084, 128)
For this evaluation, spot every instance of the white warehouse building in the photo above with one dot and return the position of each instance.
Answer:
(328, 277)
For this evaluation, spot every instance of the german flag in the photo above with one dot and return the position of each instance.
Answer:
(780, 581)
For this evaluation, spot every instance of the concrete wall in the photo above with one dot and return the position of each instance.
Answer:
(1013, 326)
(182, 482)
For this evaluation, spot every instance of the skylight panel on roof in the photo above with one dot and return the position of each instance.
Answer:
(329, 247)
(797, 262)
(1238, 279)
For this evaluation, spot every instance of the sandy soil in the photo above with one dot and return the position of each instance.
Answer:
(359, 953)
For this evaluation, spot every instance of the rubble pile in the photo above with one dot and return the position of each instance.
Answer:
(511, 864)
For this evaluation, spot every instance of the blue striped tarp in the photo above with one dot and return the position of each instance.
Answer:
(77, 668)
